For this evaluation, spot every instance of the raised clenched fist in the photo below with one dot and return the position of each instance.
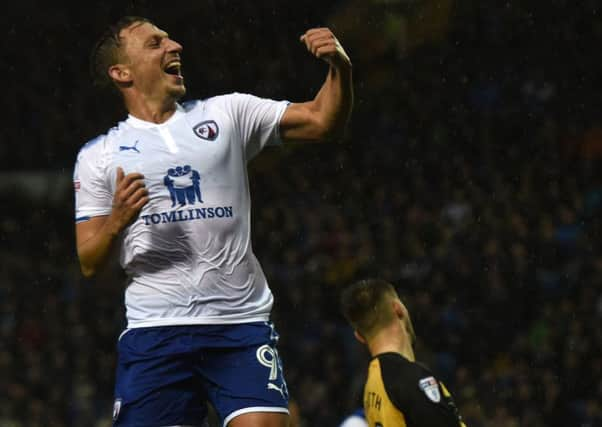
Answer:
(322, 43)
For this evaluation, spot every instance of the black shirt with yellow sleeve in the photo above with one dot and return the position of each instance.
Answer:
(400, 393)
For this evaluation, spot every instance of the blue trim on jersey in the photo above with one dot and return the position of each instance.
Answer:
(189, 105)
(82, 218)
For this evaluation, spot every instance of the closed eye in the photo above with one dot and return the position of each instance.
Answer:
(154, 42)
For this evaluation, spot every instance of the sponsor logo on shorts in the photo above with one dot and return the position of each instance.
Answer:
(283, 391)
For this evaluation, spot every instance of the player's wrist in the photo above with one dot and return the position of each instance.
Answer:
(341, 71)
(341, 68)
(113, 227)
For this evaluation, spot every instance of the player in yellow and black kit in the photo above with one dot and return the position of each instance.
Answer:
(399, 392)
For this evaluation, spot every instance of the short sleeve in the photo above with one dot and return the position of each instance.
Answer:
(257, 121)
(93, 197)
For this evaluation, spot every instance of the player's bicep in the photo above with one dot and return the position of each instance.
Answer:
(86, 230)
(300, 122)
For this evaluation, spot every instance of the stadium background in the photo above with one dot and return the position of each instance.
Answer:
(469, 178)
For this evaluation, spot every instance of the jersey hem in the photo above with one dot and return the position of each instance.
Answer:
(183, 321)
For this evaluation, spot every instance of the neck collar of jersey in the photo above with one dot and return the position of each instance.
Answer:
(143, 124)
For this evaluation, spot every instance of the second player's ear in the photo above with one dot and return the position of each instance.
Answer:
(120, 73)
(398, 308)
(359, 337)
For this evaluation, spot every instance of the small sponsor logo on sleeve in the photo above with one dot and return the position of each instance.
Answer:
(430, 387)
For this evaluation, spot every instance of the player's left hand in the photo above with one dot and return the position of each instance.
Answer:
(322, 43)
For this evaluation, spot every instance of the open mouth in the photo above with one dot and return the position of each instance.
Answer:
(174, 68)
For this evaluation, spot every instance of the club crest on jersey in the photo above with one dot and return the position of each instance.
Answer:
(184, 185)
(207, 130)
(430, 387)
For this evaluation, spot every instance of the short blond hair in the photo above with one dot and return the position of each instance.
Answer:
(366, 305)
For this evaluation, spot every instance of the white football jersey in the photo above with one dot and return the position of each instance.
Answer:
(188, 255)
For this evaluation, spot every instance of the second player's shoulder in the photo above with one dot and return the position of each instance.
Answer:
(417, 392)
(403, 378)
(398, 364)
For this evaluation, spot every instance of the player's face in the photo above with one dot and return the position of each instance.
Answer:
(153, 61)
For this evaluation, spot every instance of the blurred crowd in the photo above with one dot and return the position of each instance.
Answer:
(470, 178)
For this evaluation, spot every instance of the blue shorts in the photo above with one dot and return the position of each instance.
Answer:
(166, 374)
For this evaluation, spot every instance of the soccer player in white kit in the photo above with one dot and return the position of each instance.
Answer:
(168, 187)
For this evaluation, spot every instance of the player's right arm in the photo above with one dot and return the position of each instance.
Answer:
(96, 236)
